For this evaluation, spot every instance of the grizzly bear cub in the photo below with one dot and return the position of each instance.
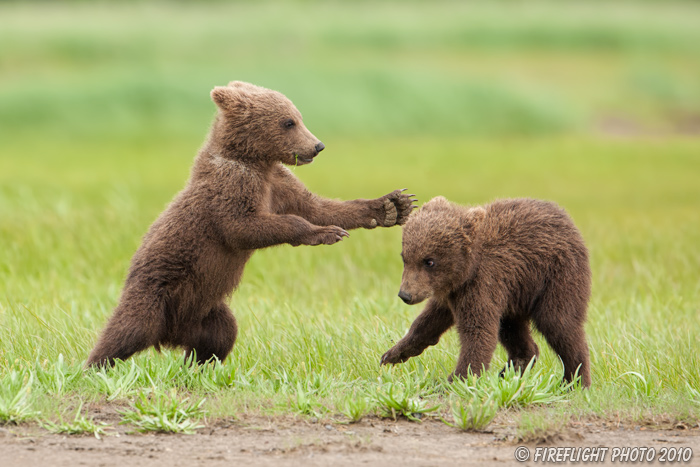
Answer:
(490, 271)
(239, 198)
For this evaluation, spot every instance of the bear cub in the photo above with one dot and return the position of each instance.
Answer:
(490, 271)
(240, 197)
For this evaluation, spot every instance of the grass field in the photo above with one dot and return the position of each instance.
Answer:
(102, 109)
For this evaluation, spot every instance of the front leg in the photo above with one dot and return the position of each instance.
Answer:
(426, 330)
(262, 231)
(290, 196)
(478, 336)
(387, 211)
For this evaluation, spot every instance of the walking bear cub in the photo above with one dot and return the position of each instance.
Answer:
(490, 271)
(239, 198)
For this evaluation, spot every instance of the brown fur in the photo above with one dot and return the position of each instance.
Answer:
(239, 198)
(494, 269)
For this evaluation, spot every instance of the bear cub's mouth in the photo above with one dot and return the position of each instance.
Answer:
(302, 160)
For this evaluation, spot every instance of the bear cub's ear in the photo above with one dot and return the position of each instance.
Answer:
(244, 85)
(227, 98)
(473, 217)
(439, 203)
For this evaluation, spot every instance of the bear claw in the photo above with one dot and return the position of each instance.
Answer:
(397, 207)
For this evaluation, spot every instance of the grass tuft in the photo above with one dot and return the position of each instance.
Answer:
(472, 415)
(117, 382)
(59, 377)
(304, 401)
(395, 400)
(532, 386)
(165, 413)
(80, 424)
(15, 396)
(354, 406)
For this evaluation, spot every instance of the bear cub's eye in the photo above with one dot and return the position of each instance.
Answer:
(289, 123)
(429, 263)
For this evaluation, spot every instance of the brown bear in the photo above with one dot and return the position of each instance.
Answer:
(490, 271)
(239, 198)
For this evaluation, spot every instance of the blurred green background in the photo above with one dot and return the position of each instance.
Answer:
(128, 70)
(595, 105)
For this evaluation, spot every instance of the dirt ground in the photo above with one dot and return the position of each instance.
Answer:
(261, 441)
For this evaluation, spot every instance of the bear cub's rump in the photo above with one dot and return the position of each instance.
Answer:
(490, 271)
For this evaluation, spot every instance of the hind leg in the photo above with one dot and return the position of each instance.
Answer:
(515, 336)
(135, 325)
(217, 333)
(560, 318)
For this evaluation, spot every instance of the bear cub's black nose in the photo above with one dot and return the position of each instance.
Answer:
(320, 147)
(406, 297)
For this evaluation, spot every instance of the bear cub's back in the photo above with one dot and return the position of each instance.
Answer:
(531, 223)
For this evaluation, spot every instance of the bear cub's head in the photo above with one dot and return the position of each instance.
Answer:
(262, 124)
(438, 249)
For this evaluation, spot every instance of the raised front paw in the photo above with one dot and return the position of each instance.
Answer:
(325, 235)
(395, 208)
(394, 355)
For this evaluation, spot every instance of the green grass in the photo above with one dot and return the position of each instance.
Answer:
(164, 413)
(396, 400)
(15, 397)
(81, 424)
(102, 108)
(314, 321)
(473, 414)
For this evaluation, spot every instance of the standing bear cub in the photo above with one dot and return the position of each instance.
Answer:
(239, 198)
(490, 271)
